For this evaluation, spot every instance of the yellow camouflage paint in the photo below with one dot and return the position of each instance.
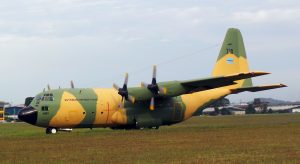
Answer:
(236, 65)
(195, 100)
(119, 117)
(107, 104)
(70, 113)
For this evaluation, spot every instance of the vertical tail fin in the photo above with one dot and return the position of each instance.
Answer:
(232, 58)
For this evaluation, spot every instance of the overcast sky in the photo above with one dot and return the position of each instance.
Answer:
(94, 42)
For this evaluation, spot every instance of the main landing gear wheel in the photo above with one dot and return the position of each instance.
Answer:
(153, 127)
(51, 130)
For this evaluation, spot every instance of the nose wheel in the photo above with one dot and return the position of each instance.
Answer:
(51, 130)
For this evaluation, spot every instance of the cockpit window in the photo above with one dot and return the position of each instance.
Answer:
(38, 99)
(48, 97)
(45, 108)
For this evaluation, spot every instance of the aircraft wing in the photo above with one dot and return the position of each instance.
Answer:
(177, 88)
(216, 82)
(257, 88)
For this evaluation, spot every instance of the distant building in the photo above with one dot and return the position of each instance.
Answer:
(208, 111)
(282, 107)
(229, 110)
(236, 111)
(296, 110)
(2, 105)
(11, 113)
(242, 105)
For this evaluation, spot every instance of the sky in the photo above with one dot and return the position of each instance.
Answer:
(94, 42)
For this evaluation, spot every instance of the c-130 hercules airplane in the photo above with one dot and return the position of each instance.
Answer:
(149, 106)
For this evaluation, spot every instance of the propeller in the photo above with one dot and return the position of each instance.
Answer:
(124, 92)
(154, 88)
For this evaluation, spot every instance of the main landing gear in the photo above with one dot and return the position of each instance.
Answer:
(51, 130)
(154, 127)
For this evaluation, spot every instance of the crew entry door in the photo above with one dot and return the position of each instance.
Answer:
(177, 112)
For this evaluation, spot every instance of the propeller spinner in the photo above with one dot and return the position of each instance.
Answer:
(124, 91)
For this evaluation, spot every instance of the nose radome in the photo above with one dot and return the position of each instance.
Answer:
(28, 114)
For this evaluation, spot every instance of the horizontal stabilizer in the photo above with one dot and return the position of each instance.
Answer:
(219, 81)
(257, 88)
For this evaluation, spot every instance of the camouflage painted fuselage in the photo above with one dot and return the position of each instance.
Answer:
(88, 108)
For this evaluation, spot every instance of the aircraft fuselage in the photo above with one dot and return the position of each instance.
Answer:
(89, 108)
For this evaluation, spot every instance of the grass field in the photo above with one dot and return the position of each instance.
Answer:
(220, 139)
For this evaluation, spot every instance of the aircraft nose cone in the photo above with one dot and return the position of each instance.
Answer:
(28, 114)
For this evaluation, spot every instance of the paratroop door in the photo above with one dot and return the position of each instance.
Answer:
(178, 111)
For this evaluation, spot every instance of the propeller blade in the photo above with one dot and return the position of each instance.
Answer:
(131, 99)
(48, 86)
(154, 72)
(121, 104)
(116, 87)
(144, 85)
(126, 79)
(162, 90)
(152, 104)
(72, 84)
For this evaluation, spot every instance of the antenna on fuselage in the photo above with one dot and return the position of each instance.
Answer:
(48, 86)
(72, 84)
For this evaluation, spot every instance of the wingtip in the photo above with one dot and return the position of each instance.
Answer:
(283, 85)
(254, 73)
(260, 73)
(277, 85)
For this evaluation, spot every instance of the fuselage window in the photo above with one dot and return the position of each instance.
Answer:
(45, 108)
(48, 97)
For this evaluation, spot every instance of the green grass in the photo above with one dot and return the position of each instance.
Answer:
(221, 139)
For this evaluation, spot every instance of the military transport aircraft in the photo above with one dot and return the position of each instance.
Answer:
(149, 106)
